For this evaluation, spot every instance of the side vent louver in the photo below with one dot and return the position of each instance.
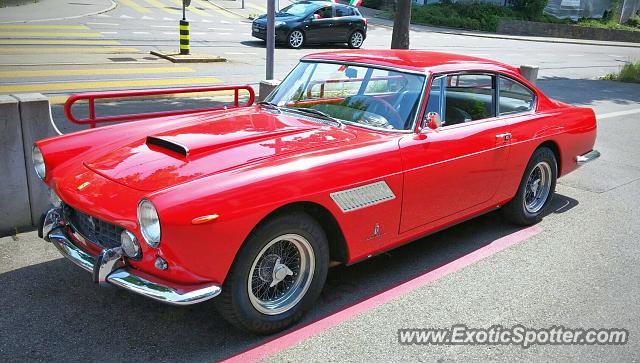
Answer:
(167, 144)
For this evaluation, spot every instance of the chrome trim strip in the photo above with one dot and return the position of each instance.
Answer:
(129, 279)
(585, 158)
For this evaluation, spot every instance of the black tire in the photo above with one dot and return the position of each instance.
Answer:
(356, 39)
(235, 304)
(299, 37)
(517, 210)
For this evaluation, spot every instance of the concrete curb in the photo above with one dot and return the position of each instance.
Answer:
(111, 7)
(447, 31)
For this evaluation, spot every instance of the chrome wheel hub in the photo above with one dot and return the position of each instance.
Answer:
(538, 187)
(281, 274)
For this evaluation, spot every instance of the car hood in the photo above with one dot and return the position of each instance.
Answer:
(213, 144)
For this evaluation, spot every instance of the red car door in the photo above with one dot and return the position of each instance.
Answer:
(460, 165)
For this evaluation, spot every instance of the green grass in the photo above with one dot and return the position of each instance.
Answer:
(603, 24)
(630, 72)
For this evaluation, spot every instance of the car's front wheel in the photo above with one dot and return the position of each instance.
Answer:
(277, 275)
(536, 189)
(356, 39)
(296, 39)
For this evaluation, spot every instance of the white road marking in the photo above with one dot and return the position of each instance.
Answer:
(168, 19)
(125, 17)
(141, 33)
(108, 32)
(240, 53)
(147, 18)
(109, 24)
(103, 16)
(603, 116)
(197, 33)
(615, 56)
(224, 33)
(575, 55)
(221, 29)
(225, 22)
(164, 26)
(205, 21)
(170, 33)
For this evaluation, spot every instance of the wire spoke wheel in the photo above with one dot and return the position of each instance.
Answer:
(538, 187)
(296, 38)
(281, 274)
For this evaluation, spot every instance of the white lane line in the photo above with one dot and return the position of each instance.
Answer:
(170, 33)
(224, 33)
(167, 19)
(225, 22)
(103, 16)
(126, 17)
(109, 24)
(147, 18)
(603, 116)
(164, 26)
(108, 32)
(240, 53)
(141, 33)
(221, 29)
(615, 56)
(575, 55)
(197, 33)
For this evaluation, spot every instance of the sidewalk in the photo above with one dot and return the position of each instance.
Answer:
(375, 18)
(45, 10)
(251, 9)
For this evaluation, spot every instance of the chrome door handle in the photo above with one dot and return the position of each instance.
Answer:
(505, 137)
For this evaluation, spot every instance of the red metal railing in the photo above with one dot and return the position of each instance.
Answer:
(92, 97)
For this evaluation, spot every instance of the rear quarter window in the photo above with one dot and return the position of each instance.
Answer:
(514, 97)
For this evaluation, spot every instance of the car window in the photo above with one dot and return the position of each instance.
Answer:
(324, 13)
(360, 95)
(468, 97)
(514, 97)
(343, 11)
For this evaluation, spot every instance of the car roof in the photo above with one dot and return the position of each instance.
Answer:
(414, 60)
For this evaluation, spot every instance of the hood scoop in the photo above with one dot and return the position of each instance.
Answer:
(167, 143)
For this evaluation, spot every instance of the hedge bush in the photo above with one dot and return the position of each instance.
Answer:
(472, 16)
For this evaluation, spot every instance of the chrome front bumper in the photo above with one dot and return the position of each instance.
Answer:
(585, 158)
(110, 266)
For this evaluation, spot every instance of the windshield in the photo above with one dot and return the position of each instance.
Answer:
(357, 95)
(298, 9)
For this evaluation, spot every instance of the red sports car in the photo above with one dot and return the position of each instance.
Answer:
(355, 153)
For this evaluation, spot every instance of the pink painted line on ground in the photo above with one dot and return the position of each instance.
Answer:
(294, 337)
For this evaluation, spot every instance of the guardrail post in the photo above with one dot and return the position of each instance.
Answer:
(184, 37)
(35, 117)
(530, 73)
(14, 193)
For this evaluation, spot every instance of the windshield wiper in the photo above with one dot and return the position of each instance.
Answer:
(269, 105)
(316, 113)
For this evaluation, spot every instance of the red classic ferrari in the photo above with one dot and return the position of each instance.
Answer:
(355, 153)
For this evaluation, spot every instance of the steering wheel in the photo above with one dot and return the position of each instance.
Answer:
(380, 107)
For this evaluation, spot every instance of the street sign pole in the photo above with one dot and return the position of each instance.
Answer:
(271, 37)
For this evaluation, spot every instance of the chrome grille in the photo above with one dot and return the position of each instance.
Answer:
(102, 233)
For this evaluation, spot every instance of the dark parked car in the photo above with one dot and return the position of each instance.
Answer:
(308, 22)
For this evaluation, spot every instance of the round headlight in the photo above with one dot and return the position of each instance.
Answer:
(149, 223)
(55, 199)
(129, 244)
(38, 162)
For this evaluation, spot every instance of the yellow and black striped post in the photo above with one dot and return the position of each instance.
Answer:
(184, 37)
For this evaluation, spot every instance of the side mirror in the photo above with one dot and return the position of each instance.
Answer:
(432, 121)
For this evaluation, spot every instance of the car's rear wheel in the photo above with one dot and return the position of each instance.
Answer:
(356, 39)
(536, 189)
(277, 275)
(296, 39)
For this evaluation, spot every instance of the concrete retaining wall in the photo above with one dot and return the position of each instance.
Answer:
(24, 118)
(532, 28)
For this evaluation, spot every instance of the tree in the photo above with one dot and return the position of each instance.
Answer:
(400, 36)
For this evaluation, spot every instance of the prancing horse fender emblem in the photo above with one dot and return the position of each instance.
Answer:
(376, 233)
(83, 185)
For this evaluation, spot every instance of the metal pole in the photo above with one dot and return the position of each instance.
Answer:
(271, 37)
(243, 4)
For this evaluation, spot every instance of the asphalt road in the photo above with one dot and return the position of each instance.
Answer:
(581, 270)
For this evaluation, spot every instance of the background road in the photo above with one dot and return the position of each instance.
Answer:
(581, 270)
